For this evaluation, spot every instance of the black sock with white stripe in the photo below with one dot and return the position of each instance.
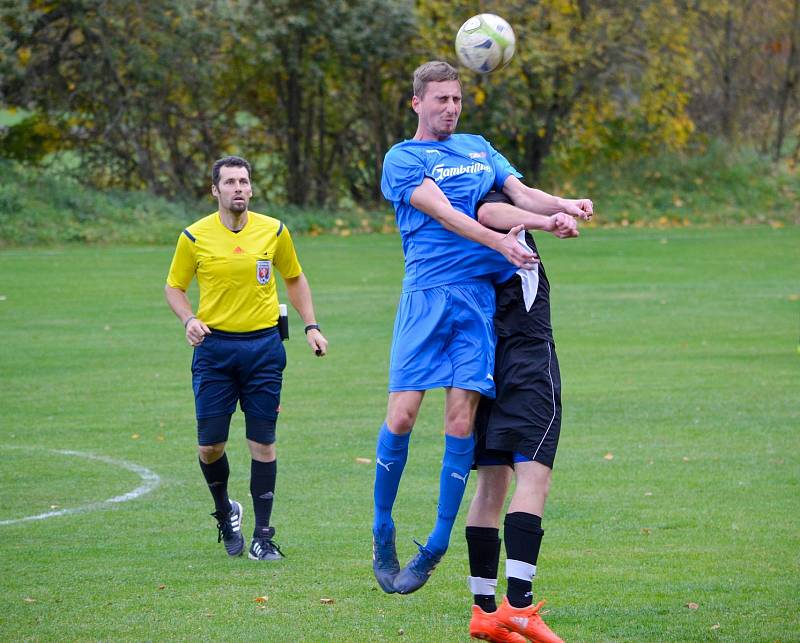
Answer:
(523, 535)
(483, 544)
(262, 489)
(216, 474)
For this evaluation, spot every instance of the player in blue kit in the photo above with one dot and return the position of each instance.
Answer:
(443, 335)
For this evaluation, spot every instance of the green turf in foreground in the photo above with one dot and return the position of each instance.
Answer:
(676, 480)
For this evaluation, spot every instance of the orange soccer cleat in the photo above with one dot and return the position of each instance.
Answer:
(486, 627)
(526, 621)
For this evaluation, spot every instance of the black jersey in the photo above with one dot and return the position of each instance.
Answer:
(525, 417)
(523, 302)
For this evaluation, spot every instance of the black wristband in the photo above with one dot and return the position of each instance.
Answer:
(310, 327)
(186, 323)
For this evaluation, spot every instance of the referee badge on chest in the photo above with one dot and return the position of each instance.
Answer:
(263, 270)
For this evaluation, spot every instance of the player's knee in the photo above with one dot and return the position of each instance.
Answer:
(543, 476)
(210, 453)
(459, 421)
(487, 503)
(262, 452)
(401, 411)
(535, 478)
(458, 426)
(401, 420)
(545, 487)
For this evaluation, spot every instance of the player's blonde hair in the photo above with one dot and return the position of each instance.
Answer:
(434, 71)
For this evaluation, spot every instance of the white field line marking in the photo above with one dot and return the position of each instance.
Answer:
(150, 481)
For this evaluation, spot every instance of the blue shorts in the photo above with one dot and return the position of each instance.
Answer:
(444, 337)
(238, 367)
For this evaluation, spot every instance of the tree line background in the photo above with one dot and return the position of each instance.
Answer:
(145, 95)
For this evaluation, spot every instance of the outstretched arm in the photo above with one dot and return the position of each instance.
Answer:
(299, 293)
(503, 216)
(428, 198)
(541, 202)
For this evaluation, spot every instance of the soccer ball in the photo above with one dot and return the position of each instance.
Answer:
(484, 43)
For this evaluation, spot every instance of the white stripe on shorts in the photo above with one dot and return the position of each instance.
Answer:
(552, 397)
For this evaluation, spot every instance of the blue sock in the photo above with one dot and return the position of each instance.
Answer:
(390, 458)
(452, 483)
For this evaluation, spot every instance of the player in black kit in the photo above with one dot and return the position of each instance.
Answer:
(517, 433)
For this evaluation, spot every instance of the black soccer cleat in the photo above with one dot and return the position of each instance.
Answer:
(263, 547)
(230, 529)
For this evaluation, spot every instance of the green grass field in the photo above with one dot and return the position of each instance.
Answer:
(676, 496)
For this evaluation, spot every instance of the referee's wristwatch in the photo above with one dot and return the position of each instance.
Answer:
(310, 327)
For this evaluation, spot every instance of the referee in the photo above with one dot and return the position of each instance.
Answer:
(238, 354)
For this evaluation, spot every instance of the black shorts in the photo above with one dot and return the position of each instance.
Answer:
(524, 422)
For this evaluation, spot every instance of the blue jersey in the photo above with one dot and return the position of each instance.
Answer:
(465, 167)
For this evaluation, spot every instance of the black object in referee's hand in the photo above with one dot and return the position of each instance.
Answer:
(283, 322)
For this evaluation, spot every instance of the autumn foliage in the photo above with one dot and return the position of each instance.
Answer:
(149, 93)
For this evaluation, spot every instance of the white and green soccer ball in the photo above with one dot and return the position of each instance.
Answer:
(485, 43)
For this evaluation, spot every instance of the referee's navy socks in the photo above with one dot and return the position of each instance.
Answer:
(216, 474)
(262, 490)
(456, 465)
(391, 454)
(483, 545)
(523, 535)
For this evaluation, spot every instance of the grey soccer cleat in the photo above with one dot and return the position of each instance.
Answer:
(230, 529)
(263, 547)
(384, 560)
(416, 573)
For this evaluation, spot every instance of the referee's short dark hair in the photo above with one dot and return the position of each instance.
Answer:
(228, 161)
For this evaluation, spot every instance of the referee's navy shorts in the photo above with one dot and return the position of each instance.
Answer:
(238, 367)
(523, 423)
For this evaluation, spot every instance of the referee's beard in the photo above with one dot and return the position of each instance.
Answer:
(237, 206)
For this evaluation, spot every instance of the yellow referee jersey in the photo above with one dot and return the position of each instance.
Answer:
(235, 270)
